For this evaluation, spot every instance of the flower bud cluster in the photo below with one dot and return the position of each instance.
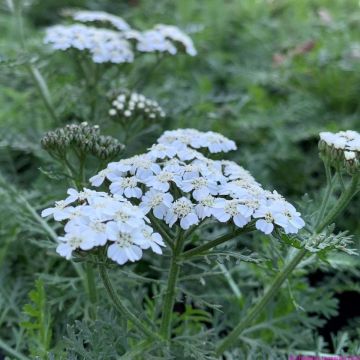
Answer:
(133, 105)
(84, 138)
(113, 46)
(97, 220)
(341, 149)
(103, 45)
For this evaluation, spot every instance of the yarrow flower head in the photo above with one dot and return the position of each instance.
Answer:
(101, 17)
(131, 106)
(341, 149)
(177, 184)
(163, 39)
(98, 220)
(195, 139)
(174, 183)
(102, 45)
(113, 45)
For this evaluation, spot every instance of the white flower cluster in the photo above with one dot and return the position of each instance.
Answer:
(178, 184)
(113, 45)
(100, 16)
(102, 220)
(346, 142)
(102, 44)
(163, 38)
(195, 139)
(133, 105)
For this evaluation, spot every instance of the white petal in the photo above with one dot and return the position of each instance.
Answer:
(64, 250)
(264, 226)
(47, 212)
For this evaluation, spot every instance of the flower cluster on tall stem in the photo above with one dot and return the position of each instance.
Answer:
(103, 45)
(172, 185)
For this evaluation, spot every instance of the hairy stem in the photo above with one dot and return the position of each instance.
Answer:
(91, 287)
(165, 328)
(328, 191)
(212, 243)
(342, 203)
(121, 308)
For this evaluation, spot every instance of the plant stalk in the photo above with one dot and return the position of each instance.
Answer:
(121, 308)
(343, 201)
(284, 274)
(257, 309)
(220, 240)
(328, 191)
(165, 327)
(91, 287)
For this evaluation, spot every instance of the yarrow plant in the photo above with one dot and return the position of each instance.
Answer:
(159, 199)
(164, 195)
(171, 227)
(99, 43)
(114, 46)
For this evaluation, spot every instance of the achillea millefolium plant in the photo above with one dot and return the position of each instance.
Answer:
(135, 235)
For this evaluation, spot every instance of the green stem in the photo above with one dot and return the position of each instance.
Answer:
(284, 274)
(231, 282)
(121, 308)
(220, 240)
(91, 287)
(343, 201)
(257, 309)
(165, 327)
(328, 191)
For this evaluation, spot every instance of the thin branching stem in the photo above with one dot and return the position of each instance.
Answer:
(274, 288)
(165, 328)
(199, 250)
(257, 309)
(328, 191)
(91, 286)
(121, 308)
(341, 204)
